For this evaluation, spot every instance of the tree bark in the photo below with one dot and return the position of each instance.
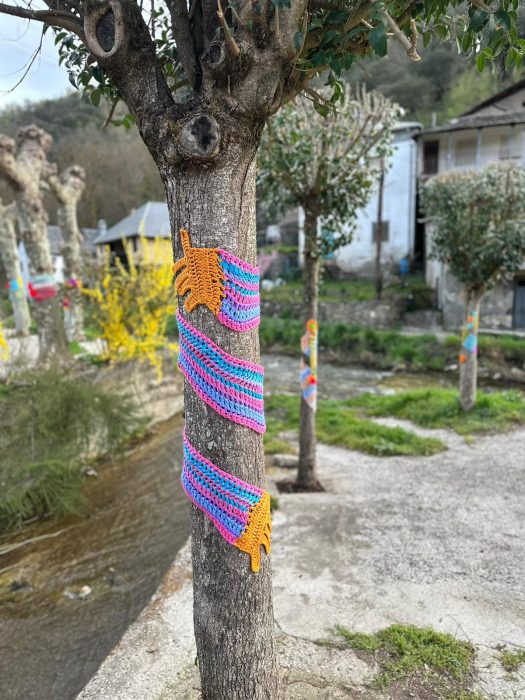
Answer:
(25, 171)
(468, 367)
(379, 232)
(13, 270)
(68, 189)
(233, 615)
(306, 473)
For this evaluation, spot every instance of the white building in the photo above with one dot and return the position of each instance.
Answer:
(491, 132)
(399, 211)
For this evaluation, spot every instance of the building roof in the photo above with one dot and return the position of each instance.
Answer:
(471, 121)
(56, 239)
(516, 87)
(150, 220)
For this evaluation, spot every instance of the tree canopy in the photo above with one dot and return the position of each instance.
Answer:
(478, 223)
(326, 164)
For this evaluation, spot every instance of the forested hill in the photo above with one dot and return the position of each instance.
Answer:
(120, 171)
(121, 174)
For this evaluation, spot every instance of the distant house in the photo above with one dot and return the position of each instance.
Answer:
(398, 226)
(150, 221)
(491, 132)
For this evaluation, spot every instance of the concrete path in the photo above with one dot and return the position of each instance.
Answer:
(426, 541)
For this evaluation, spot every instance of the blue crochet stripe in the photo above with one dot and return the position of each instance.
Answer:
(234, 272)
(230, 523)
(215, 375)
(234, 311)
(234, 407)
(195, 466)
(236, 371)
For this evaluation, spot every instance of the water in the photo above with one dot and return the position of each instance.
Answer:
(50, 644)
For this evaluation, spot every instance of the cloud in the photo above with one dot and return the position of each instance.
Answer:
(45, 79)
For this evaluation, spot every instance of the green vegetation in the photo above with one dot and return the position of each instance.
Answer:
(387, 349)
(413, 289)
(339, 425)
(512, 660)
(51, 424)
(439, 408)
(403, 651)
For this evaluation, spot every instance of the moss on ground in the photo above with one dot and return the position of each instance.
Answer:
(439, 408)
(337, 424)
(512, 660)
(435, 664)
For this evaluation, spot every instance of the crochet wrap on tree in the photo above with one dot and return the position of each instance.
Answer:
(227, 285)
(239, 511)
(309, 364)
(232, 387)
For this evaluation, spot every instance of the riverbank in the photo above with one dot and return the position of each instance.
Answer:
(430, 541)
(69, 589)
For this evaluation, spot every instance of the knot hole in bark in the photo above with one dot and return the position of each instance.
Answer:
(200, 136)
(104, 28)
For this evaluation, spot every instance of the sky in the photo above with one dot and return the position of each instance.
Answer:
(45, 80)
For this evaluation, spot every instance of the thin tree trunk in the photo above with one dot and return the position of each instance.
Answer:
(233, 615)
(68, 189)
(379, 232)
(24, 166)
(468, 368)
(306, 474)
(13, 270)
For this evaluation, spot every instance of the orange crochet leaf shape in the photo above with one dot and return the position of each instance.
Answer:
(202, 276)
(258, 532)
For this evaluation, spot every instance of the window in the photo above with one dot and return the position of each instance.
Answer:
(384, 231)
(465, 152)
(430, 157)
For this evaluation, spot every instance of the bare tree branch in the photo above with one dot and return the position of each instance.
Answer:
(181, 28)
(230, 41)
(408, 45)
(55, 18)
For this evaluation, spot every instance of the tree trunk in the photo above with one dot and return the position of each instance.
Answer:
(379, 232)
(68, 189)
(13, 270)
(306, 474)
(52, 338)
(468, 367)
(232, 606)
(24, 165)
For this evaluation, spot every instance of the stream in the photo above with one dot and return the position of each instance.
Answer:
(52, 641)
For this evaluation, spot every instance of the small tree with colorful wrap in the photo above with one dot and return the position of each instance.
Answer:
(478, 231)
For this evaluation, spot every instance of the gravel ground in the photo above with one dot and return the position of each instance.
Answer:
(426, 541)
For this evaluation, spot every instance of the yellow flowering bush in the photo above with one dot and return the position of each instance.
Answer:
(4, 347)
(132, 304)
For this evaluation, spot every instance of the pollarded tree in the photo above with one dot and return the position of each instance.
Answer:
(200, 80)
(10, 259)
(478, 231)
(68, 189)
(25, 165)
(329, 166)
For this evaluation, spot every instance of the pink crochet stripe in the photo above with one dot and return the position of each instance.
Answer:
(226, 475)
(212, 496)
(236, 396)
(228, 536)
(235, 326)
(243, 265)
(244, 363)
(216, 368)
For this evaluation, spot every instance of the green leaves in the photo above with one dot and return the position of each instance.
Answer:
(377, 37)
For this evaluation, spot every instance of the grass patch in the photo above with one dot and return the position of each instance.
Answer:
(433, 659)
(512, 660)
(51, 424)
(439, 408)
(337, 424)
(277, 446)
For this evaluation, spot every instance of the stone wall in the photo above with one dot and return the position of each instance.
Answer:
(496, 310)
(374, 314)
